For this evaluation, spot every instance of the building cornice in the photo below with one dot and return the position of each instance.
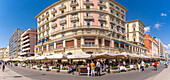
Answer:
(136, 21)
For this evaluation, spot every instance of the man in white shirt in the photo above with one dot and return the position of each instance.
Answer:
(98, 65)
(143, 65)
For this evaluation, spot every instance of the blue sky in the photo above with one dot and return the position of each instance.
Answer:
(20, 14)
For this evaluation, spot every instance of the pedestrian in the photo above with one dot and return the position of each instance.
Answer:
(156, 65)
(98, 66)
(88, 69)
(166, 64)
(104, 66)
(3, 67)
(92, 68)
(143, 65)
(124, 63)
(111, 64)
(138, 64)
(160, 62)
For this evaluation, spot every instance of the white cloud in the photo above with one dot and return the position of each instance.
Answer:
(163, 14)
(147, 29)
(157, 25)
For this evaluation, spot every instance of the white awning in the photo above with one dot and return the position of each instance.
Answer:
(104, 55)
(79, 56)
(31, 58)
(57, 56)
(40, 57)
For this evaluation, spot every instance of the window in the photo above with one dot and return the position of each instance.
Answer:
(122, 11)
(89, 43)
(123, 30)
(74, 24)
(133, 29)
(134, 39)
(128, 26)
(127, 30)
(101, 15)
(112, 26)
(53, 9)
(111, 11)
(62, 26)
(87, 7)
(88, 23)
(74, 15)
(62, 11)
(87, 0)
(123, 37)
(87, 14)
(47, 32)
(101, 8)
(117, 7)
(63, 18)
(74, 8)
(118, 36)
(134, 25)
(62, 5)
(54, 37)
(53, 15)
(101, 24)
(62, 34)
(111, 4)
(53, 29)
(111, 18)
(134, 35)
(43, 34)
(101, 1)
(118, 28)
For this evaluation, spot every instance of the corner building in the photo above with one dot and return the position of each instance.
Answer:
(89, 26)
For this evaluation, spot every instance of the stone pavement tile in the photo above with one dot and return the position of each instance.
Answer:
(11, 75)
(164, 75)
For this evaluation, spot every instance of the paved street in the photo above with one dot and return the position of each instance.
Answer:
(11, 75)
(43, 75)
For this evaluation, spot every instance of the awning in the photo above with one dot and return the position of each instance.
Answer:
(31, 58)
(79, 56)
(40, 57)
(104, 55)
(57, 56)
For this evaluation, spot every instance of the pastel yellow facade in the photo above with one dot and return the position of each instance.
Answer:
(83, 26)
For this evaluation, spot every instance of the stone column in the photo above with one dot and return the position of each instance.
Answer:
(82, 41)
(97, 41)
(112, 43)
(75, 42)
(55, 45)
(103, 42)
(64, 43)
(47, 47)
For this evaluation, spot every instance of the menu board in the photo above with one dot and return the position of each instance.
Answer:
(82, 70)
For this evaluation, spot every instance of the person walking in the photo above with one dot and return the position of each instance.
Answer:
(88, 69)
(143, 65)
(98, 65)
(3, 67)
(156, 65)
(166, 64)
(92, 68)
(124, 63)
(138, 66)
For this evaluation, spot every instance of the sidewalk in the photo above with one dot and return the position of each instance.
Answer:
(164, 75)
(11, 75)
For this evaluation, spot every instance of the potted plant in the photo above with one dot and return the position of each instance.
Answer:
(114, 69)
(64, 70)
(128, 68)
(38, 67)
(44, 68)
(54, 69)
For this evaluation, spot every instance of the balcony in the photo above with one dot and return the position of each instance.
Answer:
(25, 41)
(102, 19)
(74, 4)
(54, 25)
(101, 4)
(53, 11)
(89, 46)
(25, 49)
(25, 45)
(88, 17)
(74, 19)
(24, 37)
(47, 15)
(47, 28)
(63, 22)
(88, 3)
(113, 22)
(38, 20)
(62, 7)
(59, 49)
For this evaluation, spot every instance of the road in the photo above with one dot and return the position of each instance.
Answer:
(44, 75)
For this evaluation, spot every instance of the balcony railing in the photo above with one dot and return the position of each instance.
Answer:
(53, 11)
(102, 4)
(88, 3)
(74, 4)
(74, 19)
(54, 25)
(88, 17)
(102, 19)
(62, 22)
(62, 7)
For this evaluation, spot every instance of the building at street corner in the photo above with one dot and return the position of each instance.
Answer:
(161, 49)
(88, 26)
(151, 43)
(28, 41)
(135, 32)
(6, 53)
(15, 43)
(2, 52)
